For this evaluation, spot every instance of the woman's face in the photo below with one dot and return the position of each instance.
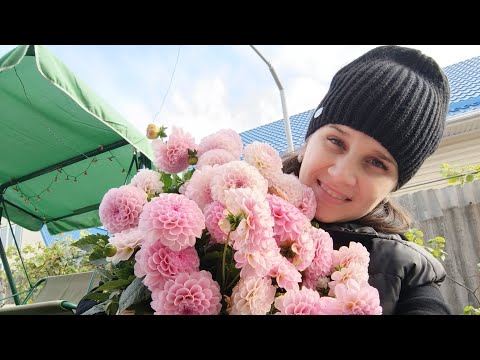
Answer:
(349, 172)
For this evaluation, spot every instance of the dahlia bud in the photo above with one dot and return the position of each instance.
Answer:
(110, 250)
(192, 157)
(153, 131)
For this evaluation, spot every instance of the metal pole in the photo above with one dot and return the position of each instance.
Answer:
(286, 119)
(8, 272)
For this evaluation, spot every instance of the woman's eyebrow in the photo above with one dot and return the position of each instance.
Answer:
(338, 129)
(382, 156)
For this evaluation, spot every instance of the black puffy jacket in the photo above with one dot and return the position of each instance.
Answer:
(407, 276)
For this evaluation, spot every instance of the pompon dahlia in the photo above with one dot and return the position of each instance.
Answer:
(252, 296)
(213, 214)
(226, 139)
(158, 263)
(235, 175)
(172, 156)
(265, 159)
(358, 299)
(148, 180)
(214, 157)
(173, 219)
(308, 205)
(288, 187)
(322, 260)
(289, 220)
(302, 302)
(354, 253)
(121, 207)
(125, 242)
(188, 294)
(198, 187)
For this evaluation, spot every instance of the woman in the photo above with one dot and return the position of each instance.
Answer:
(382, 116)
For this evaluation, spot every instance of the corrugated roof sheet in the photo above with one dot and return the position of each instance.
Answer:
(464, 78)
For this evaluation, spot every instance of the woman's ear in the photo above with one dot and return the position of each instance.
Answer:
(300, 158)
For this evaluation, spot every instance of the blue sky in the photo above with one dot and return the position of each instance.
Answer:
(216, 86)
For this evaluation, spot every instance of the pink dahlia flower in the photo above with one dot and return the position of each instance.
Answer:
(158, 263)
(257, 263)
(121, 207)
(235, 175)
(214, 157)
(252, 296)
(173, 219)
(289, 220)
(286, 274)
(148, 180)
(198, 187)
(256, 224)
(213, 214)
(358, 299)
(354, 253)
(308, 205)
(288, 187)
(302, 302)
(188, 294)
(354, 271)
(125, 242)
(226, 139)
(265, 159)
(172, 156)
(322, 260)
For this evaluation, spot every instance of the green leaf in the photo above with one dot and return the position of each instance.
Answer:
(114, 284)
(97, 296)
(187, 175)
(133, 294)
(89, 242)
(166, 180)
(100, 308)
(419, 233)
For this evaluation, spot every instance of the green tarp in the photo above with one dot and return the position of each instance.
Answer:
(61, 146)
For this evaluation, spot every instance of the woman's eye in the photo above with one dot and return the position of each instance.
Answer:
(336, 141)
(378, 163)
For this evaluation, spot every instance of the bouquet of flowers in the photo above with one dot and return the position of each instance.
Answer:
(218, 228)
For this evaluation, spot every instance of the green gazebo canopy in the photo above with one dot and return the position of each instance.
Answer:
(62, 147)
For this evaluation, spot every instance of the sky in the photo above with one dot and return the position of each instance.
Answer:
(205, 88)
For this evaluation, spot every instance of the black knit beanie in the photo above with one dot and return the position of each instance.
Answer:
(394, 94)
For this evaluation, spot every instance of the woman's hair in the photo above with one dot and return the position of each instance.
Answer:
(387, 217)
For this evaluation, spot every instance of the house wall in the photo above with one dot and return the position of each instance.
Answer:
(462, 149)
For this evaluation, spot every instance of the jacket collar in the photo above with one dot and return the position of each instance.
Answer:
(358, 229)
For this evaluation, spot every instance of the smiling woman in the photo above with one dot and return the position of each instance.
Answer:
(383, 115)
(350, 171)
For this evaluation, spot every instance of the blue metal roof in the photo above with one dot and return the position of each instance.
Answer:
(464, 79)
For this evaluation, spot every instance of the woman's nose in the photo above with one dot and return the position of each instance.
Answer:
(343, 171)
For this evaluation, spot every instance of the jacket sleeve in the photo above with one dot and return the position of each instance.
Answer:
(420, 291)
(422, 300)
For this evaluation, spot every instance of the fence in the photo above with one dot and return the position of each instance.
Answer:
(454, 213)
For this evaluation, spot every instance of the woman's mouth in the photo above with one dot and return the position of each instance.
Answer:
(334, 194)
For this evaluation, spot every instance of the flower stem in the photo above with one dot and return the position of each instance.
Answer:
(233, 281)
(223, 260)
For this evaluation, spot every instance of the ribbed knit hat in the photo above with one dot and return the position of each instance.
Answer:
(394, 94)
